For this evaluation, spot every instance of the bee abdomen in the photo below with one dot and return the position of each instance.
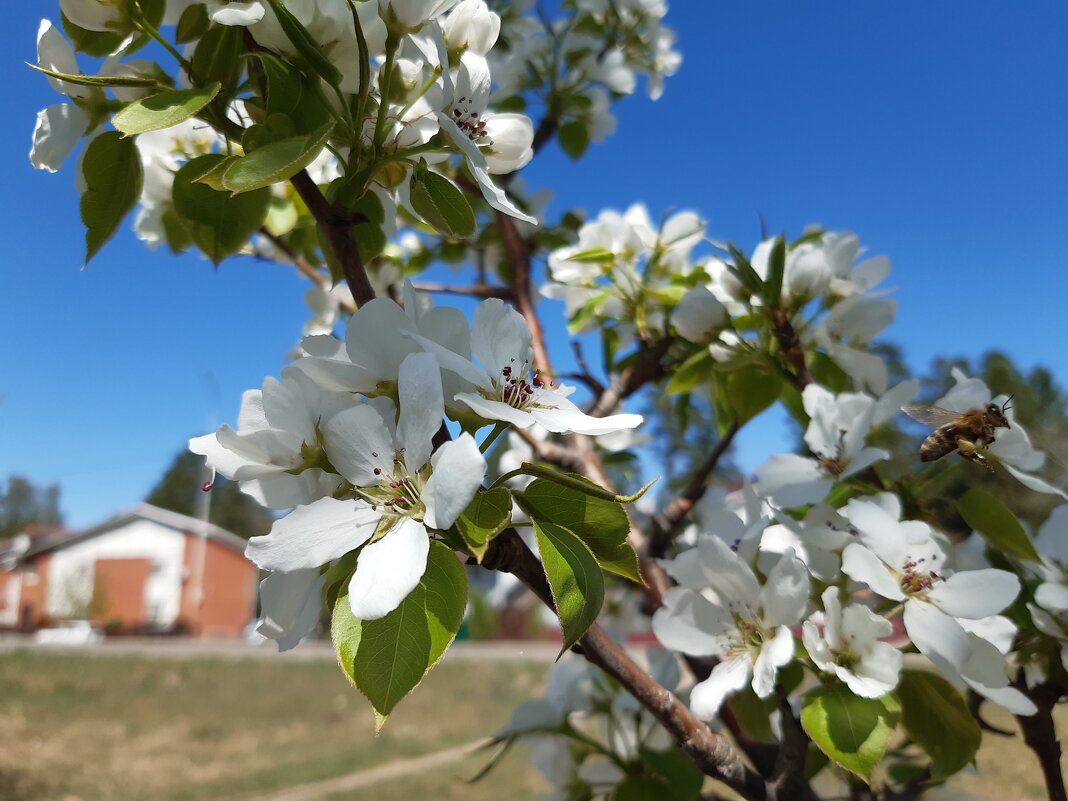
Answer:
(938, 444)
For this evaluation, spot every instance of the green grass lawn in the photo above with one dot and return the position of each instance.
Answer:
(110, 728)
(123, 728)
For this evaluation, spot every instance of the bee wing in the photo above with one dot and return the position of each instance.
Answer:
(934, 416)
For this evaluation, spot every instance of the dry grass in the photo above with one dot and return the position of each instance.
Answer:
(111, 728)
(105, 728)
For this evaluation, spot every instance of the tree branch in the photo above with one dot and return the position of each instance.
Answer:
(340, 238)
(788, 779)
(713, 754)
(518, 254)
(666, 524)
(302, 266)
(1041, 737)
(646, 367)
(478, 290)
(790, 344)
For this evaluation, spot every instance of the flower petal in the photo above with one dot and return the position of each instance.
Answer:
(861, 564)
(389, 569)
(290, 605)
(773, 655)
(458, 468)
(421, 408)
(56, 134)
(690, 623)
(728, 676)
(938, 636)
(976, 593)
(563, 416)
(312, 535)
(359, 443)
(784, 597)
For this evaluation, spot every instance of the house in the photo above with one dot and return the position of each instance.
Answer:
(148, 571)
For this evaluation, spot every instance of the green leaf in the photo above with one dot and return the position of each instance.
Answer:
(275, 162)
(163, 110)
(776, 269)
(175, 232)
(642, 788)
(305, 44)
(282, 216)
(574, 139)
(601, 255)
(600, 523)
(744, 272)
(987, 515)
(442, 204)
(217, 57)
(750, 391)
(753, 714)
(488, 514)
(219, 223)
(113, 176)
(937, 718)
(826, 372)
(852, 731)
(97, 80)
(193, 24)
(575, 579)
(290, 93)
(98, 44)
(587, 313)
(696, 370)
(387, 658)
(683, 778)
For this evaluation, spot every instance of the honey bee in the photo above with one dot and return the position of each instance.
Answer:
(967, 432)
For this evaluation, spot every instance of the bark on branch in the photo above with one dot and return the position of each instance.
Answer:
(1041, 737)
(714, 755)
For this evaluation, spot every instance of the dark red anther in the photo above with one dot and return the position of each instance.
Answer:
(378, 471)
(536, 381)
(206, 486)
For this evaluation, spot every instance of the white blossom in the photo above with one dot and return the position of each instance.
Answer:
(720, 609)
(506, 387)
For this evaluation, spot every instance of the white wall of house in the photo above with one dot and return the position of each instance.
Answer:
(9, 601)
(70, 579)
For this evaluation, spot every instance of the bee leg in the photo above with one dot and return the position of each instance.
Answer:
(970, 451)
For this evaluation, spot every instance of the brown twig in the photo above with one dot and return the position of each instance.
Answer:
(711, 753)
(666, 524)
(478, 290)
(585, 375)
(646, 367)
(518, 253)
(788, 779)
(790, 345)
(303, 267)
(338, 229)
(1041, 737)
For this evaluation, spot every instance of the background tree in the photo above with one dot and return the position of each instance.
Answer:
(22, 503)
(182, 484)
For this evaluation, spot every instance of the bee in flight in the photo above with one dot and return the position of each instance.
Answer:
(967, 432)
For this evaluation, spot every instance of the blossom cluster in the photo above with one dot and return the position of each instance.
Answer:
(347, 441)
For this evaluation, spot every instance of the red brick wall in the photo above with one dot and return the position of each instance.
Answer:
(119, 591)
(229, 590)
(32, 600)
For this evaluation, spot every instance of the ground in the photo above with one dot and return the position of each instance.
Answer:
(107, 727)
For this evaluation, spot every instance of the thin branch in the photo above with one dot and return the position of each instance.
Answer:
(788, 779)
(666, 524)
(340, 238)
(1041, 737)
(478, 290)
(518, 254)
(647, 367)
(585, 375)
(303, 267)
(712, 754)
(791, 347)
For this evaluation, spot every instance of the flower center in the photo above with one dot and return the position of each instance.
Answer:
(470, 121)
(398, 492)
(749, 635)
(517, 387)
(915, 578)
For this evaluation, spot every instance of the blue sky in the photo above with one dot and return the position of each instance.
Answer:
(937, 132)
